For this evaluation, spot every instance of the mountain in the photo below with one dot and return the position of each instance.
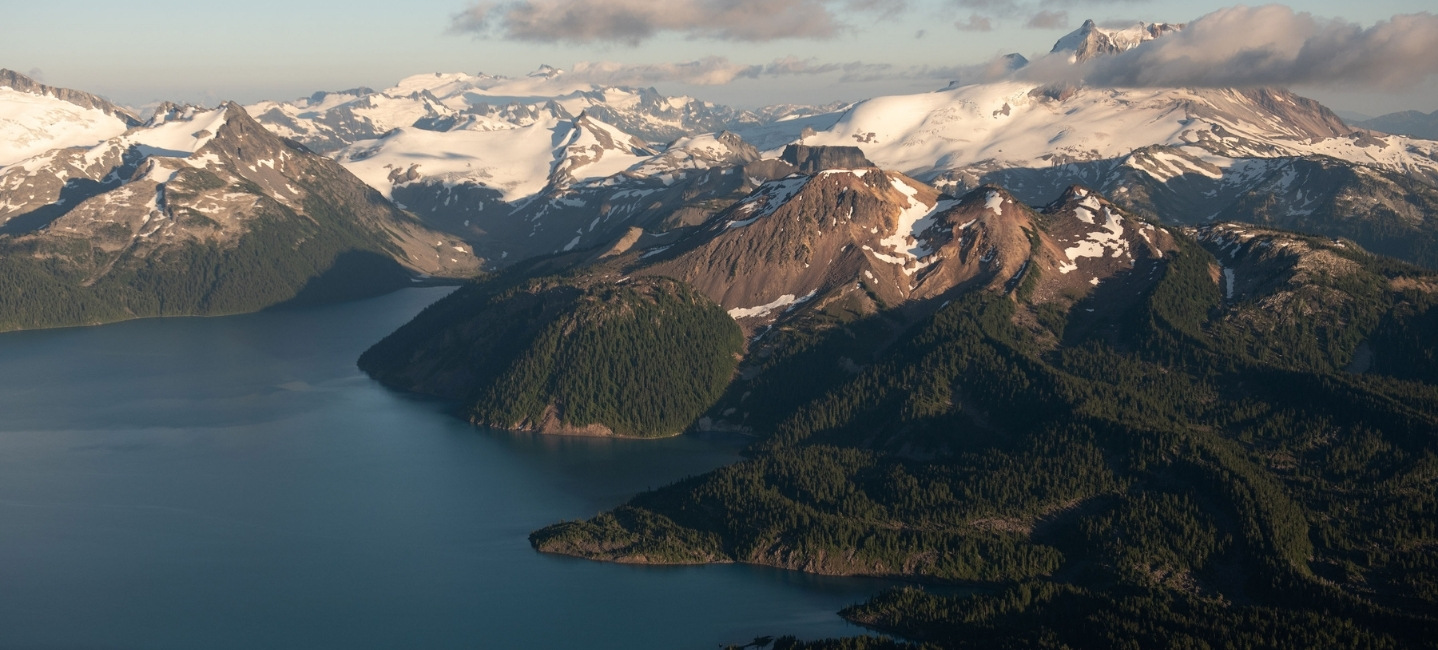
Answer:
(637, 357)
(198, 211)
(1122, 359)
(1090, 40)
(1409, 123)
(522, 167)
(35, 118)
(557, 185)
(860, 241)
(1199, 448)
(551, 162)
(440, 102)
(837, 242)
(1187, 155)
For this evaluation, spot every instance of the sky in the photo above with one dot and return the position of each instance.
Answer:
(1370, 57)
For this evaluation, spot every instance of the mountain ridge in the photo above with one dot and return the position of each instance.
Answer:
(199, 211)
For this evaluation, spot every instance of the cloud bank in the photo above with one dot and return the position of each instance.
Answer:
(1265, 46)
(709, 71)
(974, 23)
(1048, 20)
(717, 71)
(634, 21)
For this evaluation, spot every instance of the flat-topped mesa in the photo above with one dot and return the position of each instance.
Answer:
(812, 160)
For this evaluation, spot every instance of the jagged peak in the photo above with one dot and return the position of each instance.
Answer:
(1084, 204)
(1074, 193)
(1091, 40)
(167, 112)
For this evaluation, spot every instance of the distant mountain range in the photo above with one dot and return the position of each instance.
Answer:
(549, 163)
(1409, 123)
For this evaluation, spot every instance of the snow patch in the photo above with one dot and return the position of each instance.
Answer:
(994, 203)
(787, 300)
(1099, 243)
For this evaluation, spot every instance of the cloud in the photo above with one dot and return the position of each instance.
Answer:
(1267, 46)
(708, 71)
(886, 8)
(634, 21)
(1072, 3)
(975, 23)
(1004, 8)
(717, 70)
(1048, 20)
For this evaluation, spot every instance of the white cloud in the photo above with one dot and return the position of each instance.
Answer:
(708, 71)
(974, 23)
(1048, 20)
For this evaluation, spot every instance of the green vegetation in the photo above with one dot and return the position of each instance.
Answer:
(1050, 615)
(1199, 479)
(643, 358)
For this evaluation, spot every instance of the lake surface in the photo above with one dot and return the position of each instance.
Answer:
(238, 483)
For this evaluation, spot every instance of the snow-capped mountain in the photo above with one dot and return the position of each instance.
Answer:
(1090, 40)
(444, 102)
(35, 118)
(1184, 155)
(197, 175)
(199, 211)
(958, 137)
(539, 164)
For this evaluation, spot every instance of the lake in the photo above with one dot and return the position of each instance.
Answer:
(237, 483)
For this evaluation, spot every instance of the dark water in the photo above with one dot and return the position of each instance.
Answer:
(237, 483)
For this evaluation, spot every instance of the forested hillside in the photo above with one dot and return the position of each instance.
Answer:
(1203, 467)
(642, 357)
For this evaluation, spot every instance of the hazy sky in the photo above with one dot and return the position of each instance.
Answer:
(745, 52)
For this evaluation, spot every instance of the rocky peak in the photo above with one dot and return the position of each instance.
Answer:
(320, 96)
(742, 150)
(812, 160)
(167, 112)
(1090, 40)
(1089, 240)
(546, 71)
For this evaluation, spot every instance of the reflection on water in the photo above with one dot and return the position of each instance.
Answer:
(236, 482)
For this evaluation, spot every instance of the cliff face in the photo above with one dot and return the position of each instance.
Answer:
(812, 160)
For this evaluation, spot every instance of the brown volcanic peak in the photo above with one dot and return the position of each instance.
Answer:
(856, 240)
(796, 237)
(987, 243)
